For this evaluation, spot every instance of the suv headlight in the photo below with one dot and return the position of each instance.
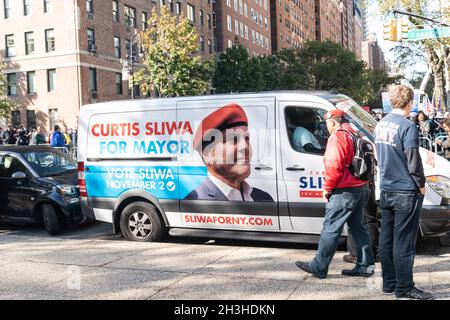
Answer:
(66, 190)
(441, 185)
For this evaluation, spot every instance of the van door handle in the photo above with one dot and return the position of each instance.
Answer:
(263, 167)
(295, 168)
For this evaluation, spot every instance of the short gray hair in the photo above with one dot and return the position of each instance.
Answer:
(401, 96)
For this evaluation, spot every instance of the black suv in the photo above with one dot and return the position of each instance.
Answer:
(38, 184)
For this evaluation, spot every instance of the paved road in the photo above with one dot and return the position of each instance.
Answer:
(89, 262)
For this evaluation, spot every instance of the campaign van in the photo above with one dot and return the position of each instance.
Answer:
(226, 166)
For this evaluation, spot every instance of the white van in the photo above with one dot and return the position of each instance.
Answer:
(157, 165)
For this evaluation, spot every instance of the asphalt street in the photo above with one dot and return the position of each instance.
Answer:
(90, 262)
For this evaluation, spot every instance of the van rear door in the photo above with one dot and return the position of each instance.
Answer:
(303, 136)
(214, 192)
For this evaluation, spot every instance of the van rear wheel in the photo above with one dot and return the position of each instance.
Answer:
(140, 221)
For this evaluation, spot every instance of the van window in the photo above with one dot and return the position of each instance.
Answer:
(307, 130)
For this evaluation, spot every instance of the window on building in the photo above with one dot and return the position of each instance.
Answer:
(208, 18)
(29, 42)
(178, 8)
(245, 10)
(117, 48)
(26, 7)
(162, 2)
(10, 46)
(119, 83)
(90, 38)
(241, 29)
(210, 51)
(230, 43)
(31, 119)
(202, 43)
(90, 6)
(15, 117)
(171, 5)
(144, 20)
(130, 17)
(191, 12)
(246, 32)
(51, 80)
(48, 6)
(31, 82)
(241, 7)
(230, 23)
(202, 18)
(92, 80)
(266, 23)
(115, 12)
(11, 79)
(7, 8)
(229, 3)
(53, 117)
(236, 26)
(235, 4)
(49, 40)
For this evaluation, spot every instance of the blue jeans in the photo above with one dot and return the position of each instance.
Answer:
(344, 206)
(399, 228)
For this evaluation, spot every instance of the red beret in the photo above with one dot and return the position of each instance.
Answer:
(229, 116)
(334, 113)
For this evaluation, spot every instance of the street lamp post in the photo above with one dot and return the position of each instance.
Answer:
(131, 63)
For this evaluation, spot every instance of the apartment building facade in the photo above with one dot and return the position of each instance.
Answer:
(372, 54)
(293, 23)
(329, 20)
(245, 21)
(62, 54)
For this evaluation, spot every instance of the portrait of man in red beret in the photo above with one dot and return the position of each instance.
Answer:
(223, 142)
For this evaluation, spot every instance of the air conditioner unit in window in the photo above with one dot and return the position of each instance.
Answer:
(92, 48)
(94, 95)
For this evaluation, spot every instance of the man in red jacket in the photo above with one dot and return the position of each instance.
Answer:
(347, 196)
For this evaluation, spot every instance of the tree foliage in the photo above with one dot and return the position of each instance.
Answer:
(6, 104)
(172, 64)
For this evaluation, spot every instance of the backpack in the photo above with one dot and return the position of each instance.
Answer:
(364, 163)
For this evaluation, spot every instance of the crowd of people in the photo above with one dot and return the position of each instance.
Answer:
(23, 136)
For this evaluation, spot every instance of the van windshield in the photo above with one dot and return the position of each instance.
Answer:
(357, 115)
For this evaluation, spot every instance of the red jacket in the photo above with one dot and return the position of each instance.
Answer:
(338, 156)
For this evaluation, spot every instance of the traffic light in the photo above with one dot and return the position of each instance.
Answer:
(404, 28)
(390, 31)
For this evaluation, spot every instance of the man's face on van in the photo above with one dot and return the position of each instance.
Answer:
(230, 155)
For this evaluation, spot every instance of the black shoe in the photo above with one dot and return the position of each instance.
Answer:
(388, 292)
(349, 258)
(416, 294)
(305, 266)
(357, 273)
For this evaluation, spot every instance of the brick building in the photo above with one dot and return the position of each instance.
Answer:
(372, 54)
(293, 23)
(358, 29)
(62, 54)
(247, 21)
(329, 20)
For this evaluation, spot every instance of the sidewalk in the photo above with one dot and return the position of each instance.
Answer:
(41, 267)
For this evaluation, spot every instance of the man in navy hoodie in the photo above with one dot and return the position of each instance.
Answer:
(402, 184)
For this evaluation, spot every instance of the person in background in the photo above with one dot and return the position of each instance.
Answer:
(67, 139)
(445, 143)
(424, 123)
(402, 184)
(40, 136)
(57, 138)
(23, 138)
(34, 134)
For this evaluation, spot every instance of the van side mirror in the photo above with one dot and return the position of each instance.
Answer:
(19, 175)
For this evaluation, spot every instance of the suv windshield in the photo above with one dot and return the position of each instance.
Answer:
(357, 115)
(49, 162)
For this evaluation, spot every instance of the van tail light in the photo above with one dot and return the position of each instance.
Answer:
(82, 180)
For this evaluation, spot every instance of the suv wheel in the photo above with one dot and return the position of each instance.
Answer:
(50, 218)
(140, 221)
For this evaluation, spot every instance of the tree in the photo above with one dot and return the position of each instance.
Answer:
(231, 70)
(6, 104)
(329, 66)
(292, 74)
(172, 64)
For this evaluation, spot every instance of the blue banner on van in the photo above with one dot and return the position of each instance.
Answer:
(163, 182)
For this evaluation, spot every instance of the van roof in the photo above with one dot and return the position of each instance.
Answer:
(326, 95)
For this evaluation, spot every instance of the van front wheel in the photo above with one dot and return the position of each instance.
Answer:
(140, 221)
